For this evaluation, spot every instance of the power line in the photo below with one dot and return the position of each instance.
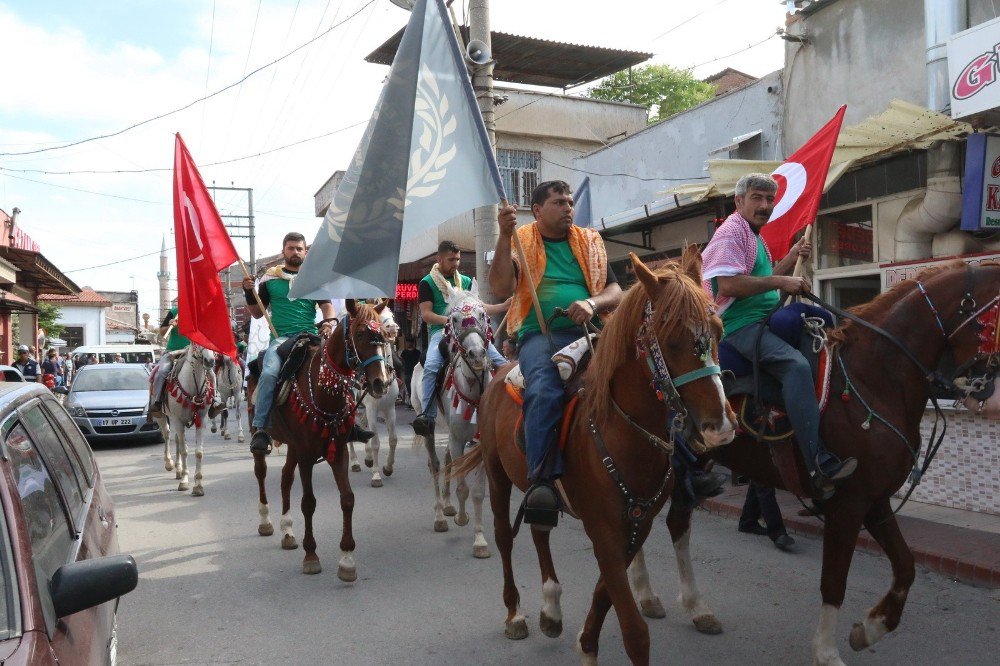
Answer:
(200, 99)
(688, 20)
(80, 189)
(620, 175)
(113, 263)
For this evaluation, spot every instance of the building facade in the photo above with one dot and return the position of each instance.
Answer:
(84, 316)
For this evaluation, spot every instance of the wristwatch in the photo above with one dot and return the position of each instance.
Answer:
(593, 305)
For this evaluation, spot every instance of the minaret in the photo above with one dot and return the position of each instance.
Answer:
(163, 275)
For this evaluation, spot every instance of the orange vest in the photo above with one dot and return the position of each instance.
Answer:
(588, 249)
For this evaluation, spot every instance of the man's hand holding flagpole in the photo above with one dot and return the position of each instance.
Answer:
(256, 297)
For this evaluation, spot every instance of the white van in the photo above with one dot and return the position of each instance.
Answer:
(131, 353)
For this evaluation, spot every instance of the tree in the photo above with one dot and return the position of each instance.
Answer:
(48, 315)
(662, 89)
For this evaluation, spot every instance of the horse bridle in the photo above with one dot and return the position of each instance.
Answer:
(471, 325)
(353, 358)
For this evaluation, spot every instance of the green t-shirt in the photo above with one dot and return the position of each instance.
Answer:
(290, 316)
(175, 341)
(428, 291)
(751, 309)
(562, 283)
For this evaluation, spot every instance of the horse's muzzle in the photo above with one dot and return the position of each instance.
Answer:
(378, 387)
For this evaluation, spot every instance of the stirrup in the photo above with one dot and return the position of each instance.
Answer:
(423, 425)
(261, 443)
(541, 506)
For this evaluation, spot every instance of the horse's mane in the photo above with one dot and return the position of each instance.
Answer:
(363, 313)
(875, 309)
(682, 302)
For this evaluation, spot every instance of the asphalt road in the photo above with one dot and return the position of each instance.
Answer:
(212, 591)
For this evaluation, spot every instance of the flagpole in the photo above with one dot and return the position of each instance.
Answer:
(256, 297)
(800, 261)
(529, 277)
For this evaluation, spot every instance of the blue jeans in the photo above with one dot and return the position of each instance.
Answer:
(266, 384)
(791, 370)
(543, 401)
(433, 363)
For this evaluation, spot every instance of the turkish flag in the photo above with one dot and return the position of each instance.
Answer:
(800, 185)
(203, 249)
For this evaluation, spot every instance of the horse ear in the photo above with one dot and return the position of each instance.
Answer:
(646, 276)
(691, 262)
(352, 306)
(381, 305)
(474, 288)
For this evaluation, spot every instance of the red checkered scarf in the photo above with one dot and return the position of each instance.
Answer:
(732, 251)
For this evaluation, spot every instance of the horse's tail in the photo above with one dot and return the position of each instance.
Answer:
(467, 464)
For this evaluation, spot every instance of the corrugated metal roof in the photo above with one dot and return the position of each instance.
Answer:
(539, 62)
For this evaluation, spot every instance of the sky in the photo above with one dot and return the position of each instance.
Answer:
(76, 69)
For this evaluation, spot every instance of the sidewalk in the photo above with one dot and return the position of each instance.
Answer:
(963, 545)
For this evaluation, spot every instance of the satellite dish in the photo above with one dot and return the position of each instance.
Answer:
(478, 52)
(405, 4)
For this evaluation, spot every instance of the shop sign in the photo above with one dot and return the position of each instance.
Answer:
(893, 274)
(123, 307)
(981, 186)
(23, 241)
(974, 69)
(406, 291)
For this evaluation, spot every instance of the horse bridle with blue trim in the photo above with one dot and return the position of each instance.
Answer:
(354, 360)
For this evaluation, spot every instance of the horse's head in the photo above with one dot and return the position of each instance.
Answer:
(390, 329)
(679, 337)
(202, 358)
(468, 329)
(365, 345)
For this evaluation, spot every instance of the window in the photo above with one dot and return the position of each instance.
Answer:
(75, 440)
(73, 335)
(60, 462)
(519, 172)
(845, 238)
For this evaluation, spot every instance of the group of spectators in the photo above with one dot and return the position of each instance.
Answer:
(56, 369)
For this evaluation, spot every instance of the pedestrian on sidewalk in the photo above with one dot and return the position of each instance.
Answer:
(761, 503)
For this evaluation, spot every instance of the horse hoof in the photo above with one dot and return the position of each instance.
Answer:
(265, 530)
(347, 574)
(462, 519)
(516, 629)
(311, 567)
(198, 491)
(183, 487)
(240, 438)
(355, 467)
(858, 639)
(653, 608)
(449, 511)
(169, 466)
(288, 542)
(387, 471)
(440, 525)
(227, 436)
(214, 429)
(707, 624)
(178, 475)
(481, 552)
(376, 483)
(369, 463)
(551, 628)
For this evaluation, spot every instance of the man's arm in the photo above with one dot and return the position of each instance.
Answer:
(428, 315)
(741, 286)
(581, 311)
(502, 278)
(165, 324)
(787, 264)
(252, 307)
(329, 312)
(498, 308)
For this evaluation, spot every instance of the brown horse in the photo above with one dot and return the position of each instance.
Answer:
(315, 422)
(618, 473)
(877, 420)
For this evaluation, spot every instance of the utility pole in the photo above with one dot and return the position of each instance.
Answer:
(485, 217)
(241, 227)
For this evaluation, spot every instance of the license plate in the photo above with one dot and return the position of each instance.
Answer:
(113, 422)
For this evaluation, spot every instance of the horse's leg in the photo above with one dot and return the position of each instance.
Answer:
(515, 626)
(649, 602)
(587, 639)
(214, 426)
(480, 549)
(390, 426)
(310, 563)
(168, 462)
(346, 570)
(611, 559)
(265, 528)
(884, 617)
(224, 426)
(182, 467)
(434, 466)
(199, 454)
(461, 486)
(239, 419)
(840, 534)
(449, 509)
(371, 454)
(679, 525)
(355, 465)
(550, 619)
(288, 541)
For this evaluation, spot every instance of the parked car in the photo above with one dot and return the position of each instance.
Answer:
(109, 401)
(9, 373)
(60, 564)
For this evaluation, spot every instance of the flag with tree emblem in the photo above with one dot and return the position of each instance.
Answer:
(424, 158)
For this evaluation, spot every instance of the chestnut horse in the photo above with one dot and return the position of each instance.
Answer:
(882, 380)
(618, 473)
(315, 422)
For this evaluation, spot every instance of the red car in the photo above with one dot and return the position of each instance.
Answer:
(59, 562)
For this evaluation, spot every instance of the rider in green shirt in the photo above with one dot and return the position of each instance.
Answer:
(175, 342)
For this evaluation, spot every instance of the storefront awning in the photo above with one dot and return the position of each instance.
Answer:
(37, 272)
(11, 304)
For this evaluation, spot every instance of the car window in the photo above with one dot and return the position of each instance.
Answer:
(9, 602)
(112, 379)
(48, 531)
(57, 458)
(76, 440)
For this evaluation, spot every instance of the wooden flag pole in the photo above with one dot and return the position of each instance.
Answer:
(256, 297)
(799, 262)
(529, 277)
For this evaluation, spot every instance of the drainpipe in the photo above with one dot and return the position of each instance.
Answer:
(942, 19)
(936, 211)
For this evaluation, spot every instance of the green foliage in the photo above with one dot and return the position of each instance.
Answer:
(48, 315)
(662, 89)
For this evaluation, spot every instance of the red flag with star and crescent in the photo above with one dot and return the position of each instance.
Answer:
(203, 249)
(800, 186)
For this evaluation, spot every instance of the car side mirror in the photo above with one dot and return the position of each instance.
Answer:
(62, 390)
(80, 585)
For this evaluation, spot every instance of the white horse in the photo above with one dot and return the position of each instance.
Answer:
(230, 386)
(468, 374)
(384, 408)
(186, 400)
